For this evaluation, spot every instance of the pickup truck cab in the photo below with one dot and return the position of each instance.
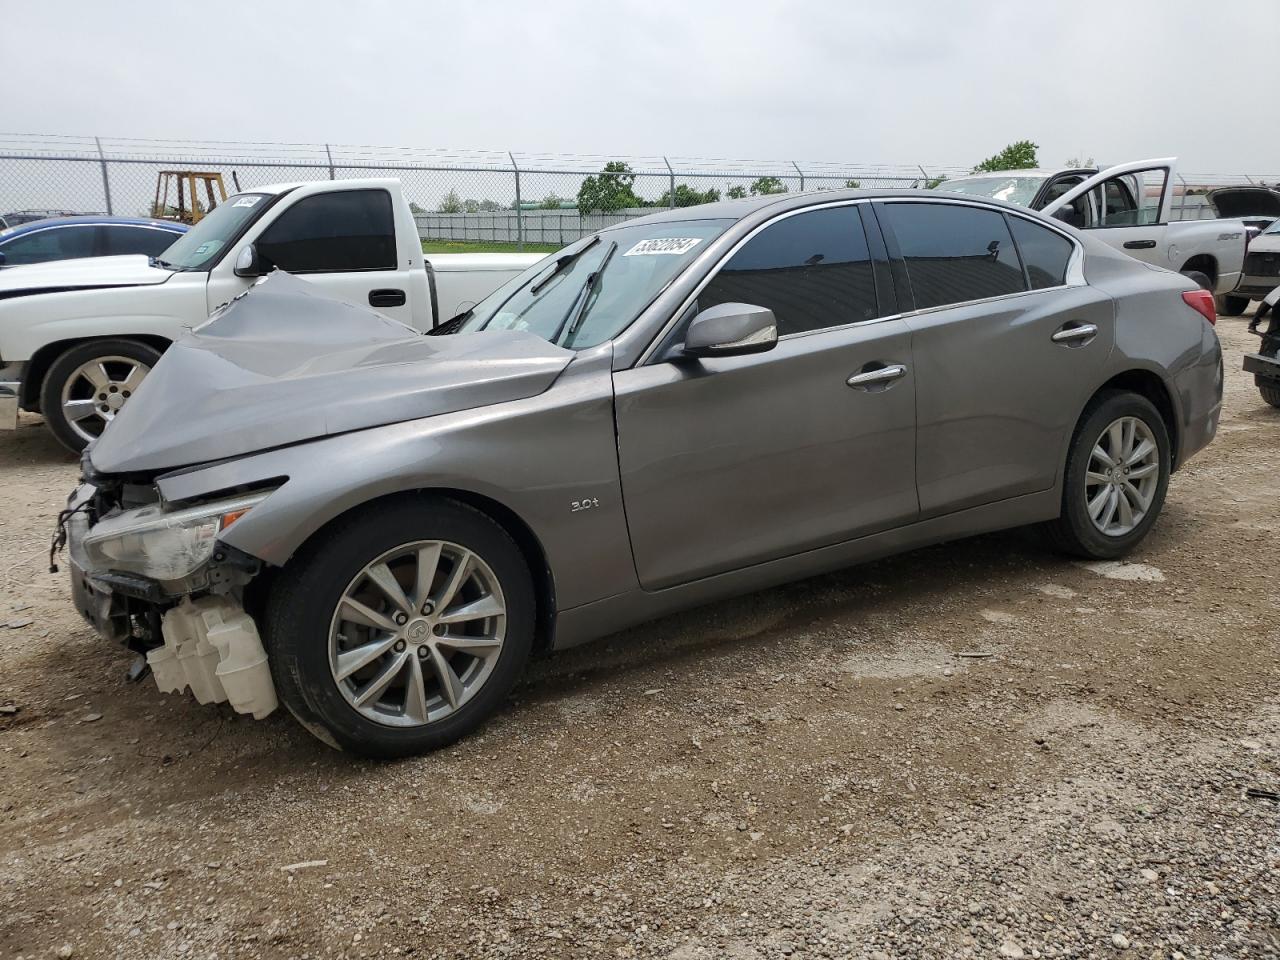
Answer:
(1128, 207)
(78, 336)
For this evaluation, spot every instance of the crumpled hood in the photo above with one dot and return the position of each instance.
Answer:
(284, 363)
(131, 270)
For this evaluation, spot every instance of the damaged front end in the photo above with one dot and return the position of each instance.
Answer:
(158, 578)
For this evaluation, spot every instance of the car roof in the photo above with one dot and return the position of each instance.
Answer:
(90, 220)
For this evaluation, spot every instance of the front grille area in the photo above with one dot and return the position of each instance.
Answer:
(1262, 264)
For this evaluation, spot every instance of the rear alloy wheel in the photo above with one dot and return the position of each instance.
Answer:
(1116, 477)
(402, 627)
(88, 385)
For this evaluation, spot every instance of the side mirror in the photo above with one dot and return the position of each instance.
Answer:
(248, 263)
(730, 330)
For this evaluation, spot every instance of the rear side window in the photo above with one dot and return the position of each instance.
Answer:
(813, 270)
(333, 232)
(148, 240)
(1044, 253)
(955, 253)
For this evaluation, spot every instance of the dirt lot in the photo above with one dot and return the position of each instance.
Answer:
(817, 770)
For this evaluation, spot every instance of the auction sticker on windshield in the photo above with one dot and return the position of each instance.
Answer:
(246, 201)
(675, 246)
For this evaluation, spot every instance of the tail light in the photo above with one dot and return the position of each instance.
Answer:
(1201, 301)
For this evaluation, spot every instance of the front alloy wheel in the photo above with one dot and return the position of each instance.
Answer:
(417, 633)
(402, 626)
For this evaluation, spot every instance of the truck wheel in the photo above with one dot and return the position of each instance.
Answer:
(1116, 477)
(1270, 392)
(1200, 279)
(402, 627)
(86, 387)
(1230, 306)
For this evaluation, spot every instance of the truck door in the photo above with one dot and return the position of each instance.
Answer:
(1128, 206)
(344, 242)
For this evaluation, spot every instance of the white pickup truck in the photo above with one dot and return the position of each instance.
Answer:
(78, 336)
(1127, 206)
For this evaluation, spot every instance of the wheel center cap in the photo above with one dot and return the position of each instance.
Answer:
(418, 631)
(115, 401)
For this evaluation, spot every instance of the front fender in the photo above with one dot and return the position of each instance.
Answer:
(537, 457)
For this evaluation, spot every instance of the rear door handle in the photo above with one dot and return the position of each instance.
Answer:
(1075, 333)
(876, 376)
(386, 298)
(1139, 244)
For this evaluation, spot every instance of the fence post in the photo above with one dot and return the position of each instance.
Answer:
(328, 153)
(801, 173)
(106, 182)
(671, 175)
(1182, 205)
(515, 167)
(924, 173)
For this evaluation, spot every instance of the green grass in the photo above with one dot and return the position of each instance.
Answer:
(483, 246)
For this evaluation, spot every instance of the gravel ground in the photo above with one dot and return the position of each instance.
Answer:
(820, 770)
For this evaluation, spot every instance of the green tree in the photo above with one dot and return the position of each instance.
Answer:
(451, 203)
(488, 206)
(1016, 156)
(550, 202)
(686, 196)
(934, 182)
(416, 209)
(471, 206)
(1081, 163)
(767, 185)
(736, 192)
(853, 184)
(611, 189)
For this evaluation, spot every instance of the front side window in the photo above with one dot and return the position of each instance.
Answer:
(813, 270)
(120, 240)
(53, 243)
(955, 253)
(1045, 253)
(333, 232)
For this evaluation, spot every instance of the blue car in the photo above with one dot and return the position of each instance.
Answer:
(68, 238)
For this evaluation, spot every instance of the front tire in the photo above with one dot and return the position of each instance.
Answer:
(89, 384)
(1270, 391)
(402, 628)
(1117, 474)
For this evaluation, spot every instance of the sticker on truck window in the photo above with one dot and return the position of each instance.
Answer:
(246, 202)
(675, 246)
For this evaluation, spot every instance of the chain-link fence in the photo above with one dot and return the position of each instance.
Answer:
(462, 199)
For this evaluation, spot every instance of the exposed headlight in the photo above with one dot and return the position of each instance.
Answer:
(163, 544)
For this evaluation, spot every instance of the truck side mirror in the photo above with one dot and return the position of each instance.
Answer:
(248, 263)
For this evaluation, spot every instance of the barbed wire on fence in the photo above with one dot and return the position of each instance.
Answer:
(462, 196)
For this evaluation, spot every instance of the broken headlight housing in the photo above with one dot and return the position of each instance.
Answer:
(162, 544)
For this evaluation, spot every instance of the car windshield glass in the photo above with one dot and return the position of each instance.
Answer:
(1019, 190)
(631, 265)
(1274, 228)
(202, 244)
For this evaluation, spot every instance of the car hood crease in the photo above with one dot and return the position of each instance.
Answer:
(283, 363)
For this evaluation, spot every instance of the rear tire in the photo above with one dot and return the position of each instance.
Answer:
(1200, 279)
(1230, 306)
(309, 640)
(117, 367)
(1270, 392)
(1076, 531)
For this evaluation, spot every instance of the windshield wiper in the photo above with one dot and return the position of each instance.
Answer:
(562, 264)
(577, 311)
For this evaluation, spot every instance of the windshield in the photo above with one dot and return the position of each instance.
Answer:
(1019, 190)
(202, 244)
(1274, 228)
(557, 299)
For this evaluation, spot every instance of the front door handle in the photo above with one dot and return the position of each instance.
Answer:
(876, 376)
(386, 298)
(1139, 244)
(1074, 334)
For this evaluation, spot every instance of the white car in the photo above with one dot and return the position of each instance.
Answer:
(78, 336)
(1128, 207)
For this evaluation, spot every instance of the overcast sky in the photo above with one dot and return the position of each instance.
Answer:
(911, 81)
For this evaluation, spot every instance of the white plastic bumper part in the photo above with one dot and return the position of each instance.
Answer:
(212, 647)
(9, 405)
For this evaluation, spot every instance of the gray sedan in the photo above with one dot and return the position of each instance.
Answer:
(309, 503)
